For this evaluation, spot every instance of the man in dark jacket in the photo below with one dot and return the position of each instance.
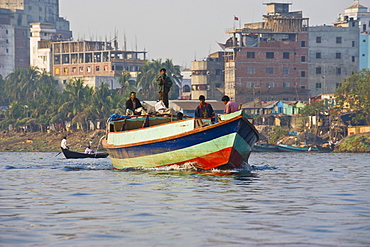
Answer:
(164, 86)
(133, 103)
(204, 110)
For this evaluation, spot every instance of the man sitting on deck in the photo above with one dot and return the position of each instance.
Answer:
(230, 106)
(133, 105)
(204, 110)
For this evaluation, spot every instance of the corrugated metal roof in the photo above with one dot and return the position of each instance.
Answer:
(259, 105)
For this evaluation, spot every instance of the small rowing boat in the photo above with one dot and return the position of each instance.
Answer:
(76, 155)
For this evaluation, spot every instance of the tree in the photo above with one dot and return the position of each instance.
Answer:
(149, 73)
(354, 95)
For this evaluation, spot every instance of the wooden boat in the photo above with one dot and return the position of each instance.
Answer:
(265, 147)
(76, 155)
(170, 141)
(288, 148)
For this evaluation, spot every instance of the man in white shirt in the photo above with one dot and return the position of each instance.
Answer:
(64, 143)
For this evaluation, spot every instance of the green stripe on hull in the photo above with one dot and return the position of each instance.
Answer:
(178, 156)
(242, 147)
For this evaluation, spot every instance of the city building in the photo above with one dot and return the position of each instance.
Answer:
(95, 62)
(185, 90)
(15, 17)
(208, 76)
(333, 56)
(360, 13)
(283, 58)
(269, 58)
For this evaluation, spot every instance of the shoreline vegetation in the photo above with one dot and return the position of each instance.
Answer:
(79, 140)
(49, 142)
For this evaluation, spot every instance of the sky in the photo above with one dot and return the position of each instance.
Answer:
(181, 30)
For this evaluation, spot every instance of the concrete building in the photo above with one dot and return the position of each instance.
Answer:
(360, 13)
(185, 90)
(15, 17)
(333, 56)
(270, 58)
(95, 62)
(14, 40)
(282, 58)
(208, 76)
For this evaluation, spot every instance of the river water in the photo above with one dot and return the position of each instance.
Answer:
(288, 199)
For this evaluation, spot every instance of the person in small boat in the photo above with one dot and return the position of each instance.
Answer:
(64, 143)
(164, 86)
(204, 110)
(133, 105)
(88, 150)
(230, 106)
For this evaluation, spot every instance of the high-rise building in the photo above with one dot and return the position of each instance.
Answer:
(282, 58)
(15, 19)
(360, 13)
(270, 58)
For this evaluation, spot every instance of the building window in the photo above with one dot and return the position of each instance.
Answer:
(74, 69)
(338, 71)
(318, 55)
(270, 70)
(7, 41)
(338, 84)
(303, 43)
(303, 73)
(318, 85)
(353, 59)
(250, 54)
(285, 55)
(318, 39)
(105, 67)
(303, 59)
(353, 43)
(286, 84)
(57, 71)
(250, 84)
(269, 84)
(81, 69)
(6, 31)
(65, 71)
(251, 70)
(286, 70)
(97, 68)
(88, 69)
(318, 70)
(339, 40)
(338, 55)
(269, 55)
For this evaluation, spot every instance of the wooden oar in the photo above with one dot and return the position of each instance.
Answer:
(58, 153)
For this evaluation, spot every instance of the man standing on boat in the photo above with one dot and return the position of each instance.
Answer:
(64, 143)
(164, 86)
(204, 110)
(230, 106)
(133, 105)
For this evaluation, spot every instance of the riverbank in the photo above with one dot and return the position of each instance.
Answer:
(359, 143)
(48, 142)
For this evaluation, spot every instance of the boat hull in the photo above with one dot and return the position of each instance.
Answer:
(287, 148)
(223, 145)
(76, 155)
(262, 147)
